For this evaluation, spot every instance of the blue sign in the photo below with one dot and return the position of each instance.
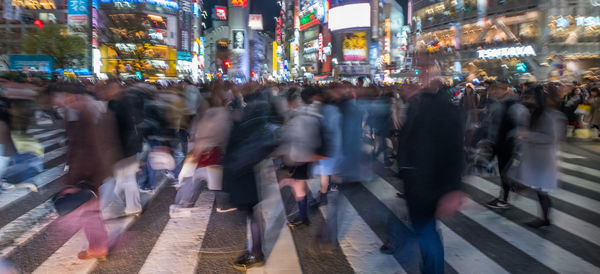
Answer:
(77, 71)
(184, 56)
(31, 62)
(161, 3)
(78, 7)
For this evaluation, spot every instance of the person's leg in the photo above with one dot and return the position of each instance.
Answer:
(126, 184)
(299, 188)
(324, 187)
(94, 230)
(546, 204)
(256, 232)
(432, 250)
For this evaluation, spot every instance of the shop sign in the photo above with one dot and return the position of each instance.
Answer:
(506, 52)
(320, 46)
(161, 3)
(239, 3)
(311, 46)
(184, 56)
(354, 46)
(220, 13)
(255, 21)
(590, 21)
(78, 7)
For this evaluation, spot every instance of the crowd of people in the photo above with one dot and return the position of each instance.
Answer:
(123, 136)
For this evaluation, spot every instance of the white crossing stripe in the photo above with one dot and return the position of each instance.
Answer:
(576, 199)
(27, 226)
(358, 242)
(460, 254)
(280, 252)
(533, 245)
(9, 197)
(178, 246)
(565, 221)
(570, 156)
(580, 182)
(582, 169)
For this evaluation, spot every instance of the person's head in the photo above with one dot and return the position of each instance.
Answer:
(360, 82)
(292, 97)
(595, 92)
(576, 91)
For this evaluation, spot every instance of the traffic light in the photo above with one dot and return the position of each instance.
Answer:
(227, 64)
(416, 71)
(39, 23)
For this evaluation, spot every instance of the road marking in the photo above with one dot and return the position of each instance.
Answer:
(278, 243)
(589, 185)
(358, 242)
(459, 253)
(27, 226)
(565, 221)
(582, 169)
(533, 245)
(178, 246)
(42, 179)
(569, 155)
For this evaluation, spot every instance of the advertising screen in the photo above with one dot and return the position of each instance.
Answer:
(350, 16)
(354, 46)
(255, 21)
(238, 39)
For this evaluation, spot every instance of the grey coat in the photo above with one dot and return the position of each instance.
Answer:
(540, 149)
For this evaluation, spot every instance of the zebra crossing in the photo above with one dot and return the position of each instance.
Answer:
(476, 239)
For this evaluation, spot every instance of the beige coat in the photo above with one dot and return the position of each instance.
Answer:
(595, 103)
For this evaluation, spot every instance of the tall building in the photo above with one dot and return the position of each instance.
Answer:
(553, 39)
(150, 38)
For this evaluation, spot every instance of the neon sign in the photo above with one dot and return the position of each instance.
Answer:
(506, 52)
(320, 46)
(239, 3)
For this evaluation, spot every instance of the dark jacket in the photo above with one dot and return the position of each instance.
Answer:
(128, 110)
(249, 143)
(431, 154)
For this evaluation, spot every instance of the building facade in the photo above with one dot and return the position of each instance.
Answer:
(507, 39)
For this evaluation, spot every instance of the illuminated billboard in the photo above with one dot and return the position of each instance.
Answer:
(255, 21)
(220, 13)
(354, 46)
(350, 16)
(239, 3)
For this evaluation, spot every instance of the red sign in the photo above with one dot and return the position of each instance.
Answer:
(320, 46)
(221, 13)
(239, 3)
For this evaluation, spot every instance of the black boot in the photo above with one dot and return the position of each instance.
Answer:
(302, 218)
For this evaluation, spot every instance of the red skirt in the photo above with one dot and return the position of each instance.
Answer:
(210, 157)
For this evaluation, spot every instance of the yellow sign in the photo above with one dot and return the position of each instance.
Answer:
(274, 56)
(354, 47)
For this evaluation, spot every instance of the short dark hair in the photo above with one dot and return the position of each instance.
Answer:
(309, 92)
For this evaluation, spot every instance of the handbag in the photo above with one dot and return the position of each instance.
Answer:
(583, 109)
(72, 197)
(160, 158)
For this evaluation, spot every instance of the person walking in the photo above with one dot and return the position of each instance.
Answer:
(90, 155)
(594, 102)
(127, 106)
(431, 159)
(539, 169)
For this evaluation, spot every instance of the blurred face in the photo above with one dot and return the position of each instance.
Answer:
(577, 91)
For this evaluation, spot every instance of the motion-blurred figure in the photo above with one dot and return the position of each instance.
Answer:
(431, 166)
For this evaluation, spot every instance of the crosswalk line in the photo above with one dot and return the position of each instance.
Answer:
(24, 228)
(278, 243)
(358, 242)
(580, 182)
(565, 221)
(460, 254)
(578, 168)
(40, 180)
(177, 248)
(65, 260)
(576, 199)
(48, 135)
(533, 245)
(567, 155)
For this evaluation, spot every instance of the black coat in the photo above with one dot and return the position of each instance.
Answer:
(249, 143)
(430, 154)
(128, 110)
